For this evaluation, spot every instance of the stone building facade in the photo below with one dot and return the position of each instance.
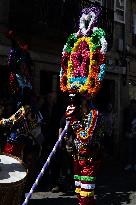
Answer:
(45, 26)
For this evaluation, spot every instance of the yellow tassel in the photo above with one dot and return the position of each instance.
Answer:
(86, 194)
(78, 190)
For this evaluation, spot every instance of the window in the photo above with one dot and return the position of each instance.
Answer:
(132, 89)
(134, 30)
(119, 7)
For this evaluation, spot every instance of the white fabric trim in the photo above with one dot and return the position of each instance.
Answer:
(77, 183)
(88, 186)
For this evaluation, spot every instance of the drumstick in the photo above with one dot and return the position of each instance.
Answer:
(46, 164)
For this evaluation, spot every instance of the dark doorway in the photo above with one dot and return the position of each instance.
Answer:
(106, 94)
(49, 81)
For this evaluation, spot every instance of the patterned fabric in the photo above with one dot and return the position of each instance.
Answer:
(86, 164)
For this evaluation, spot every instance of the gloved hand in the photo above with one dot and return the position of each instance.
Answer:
(70, 112)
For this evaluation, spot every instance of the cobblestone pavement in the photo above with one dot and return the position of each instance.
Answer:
(114, 187)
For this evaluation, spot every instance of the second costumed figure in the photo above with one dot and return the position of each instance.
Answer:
(82, 72)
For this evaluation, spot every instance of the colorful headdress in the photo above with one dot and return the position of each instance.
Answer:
(18, 53)
(19, 64)
(83, 56)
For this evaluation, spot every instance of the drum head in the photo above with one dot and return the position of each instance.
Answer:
(11, 169)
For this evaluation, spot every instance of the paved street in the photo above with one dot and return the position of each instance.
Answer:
(114, 187)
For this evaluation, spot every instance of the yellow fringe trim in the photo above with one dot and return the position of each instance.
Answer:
(78, 190)
(86, 194)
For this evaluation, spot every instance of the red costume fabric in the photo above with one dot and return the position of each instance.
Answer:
(14, 149)
(87, 161)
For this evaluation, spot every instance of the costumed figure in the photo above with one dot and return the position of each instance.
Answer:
(26, 119)
(82, 72)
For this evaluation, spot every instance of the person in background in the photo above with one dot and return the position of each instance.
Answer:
(130, 135)
(53, 108)
(64, 179)
(109, 120)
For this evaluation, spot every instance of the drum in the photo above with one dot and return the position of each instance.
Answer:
(12, 180)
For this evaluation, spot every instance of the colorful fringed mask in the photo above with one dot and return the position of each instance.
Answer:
(83, 56)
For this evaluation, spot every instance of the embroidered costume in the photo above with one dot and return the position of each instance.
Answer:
(87, 155)
(82, 71)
